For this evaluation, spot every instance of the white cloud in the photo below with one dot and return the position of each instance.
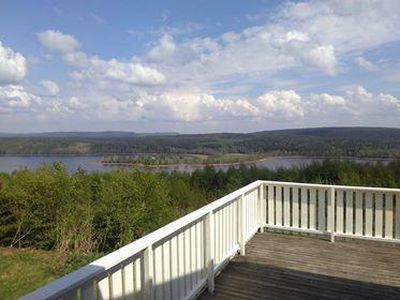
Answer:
(75, 104)
(177, 107)
(57, 41)
(164, 49)
(51, 88)
(327, 99)
(76, 59)
(366, 64)
(108, 71)
(12, 66)
(15, 98)
(281, 105)
(322, 58)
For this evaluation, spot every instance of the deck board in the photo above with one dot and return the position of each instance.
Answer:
(280, 266)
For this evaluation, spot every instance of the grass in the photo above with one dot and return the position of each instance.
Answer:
(24, 270)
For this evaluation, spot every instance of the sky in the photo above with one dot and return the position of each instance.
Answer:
(198, 66)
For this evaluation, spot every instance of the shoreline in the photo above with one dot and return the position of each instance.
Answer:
(248, 162)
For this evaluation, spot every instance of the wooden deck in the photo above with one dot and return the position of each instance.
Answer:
(280, 266)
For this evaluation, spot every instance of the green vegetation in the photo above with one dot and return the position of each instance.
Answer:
(326, 142)
(69, 219)
(157, 159)
(23, 270)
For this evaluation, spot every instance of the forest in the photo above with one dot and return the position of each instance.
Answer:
(363, 142)
(50, 209)
(52, 222)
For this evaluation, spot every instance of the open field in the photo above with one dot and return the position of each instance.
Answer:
(24, 270)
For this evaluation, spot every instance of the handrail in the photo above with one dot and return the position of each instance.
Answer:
(75, 279)
(348, 187)
(182, 257)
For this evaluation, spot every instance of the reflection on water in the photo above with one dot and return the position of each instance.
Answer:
(92, 163)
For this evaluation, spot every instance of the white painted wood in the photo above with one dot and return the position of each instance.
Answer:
(193, 255)
(217, 237)
(87, 291)
(286, 206)
(186, 251)
(340, 211)
(117, 285)
(313, 209)
(199, 251)
(397, 214)
(138, 276)
(208, 245)
(271, 205)
(331, 213)
(71, 295)
(349, 212)
(181, 264)
(166, 252)
(262, 208)
(379, 215)
(369, 212)
(242, 228)
(324, 186)
(158, 273)
(103, 289)
(321, 210)
(128, 280)
(359, 213)
(388, 215)
(295, 210)
(147, 269)
(278, 206)
(224, 231)
(183, 242)
(174, 268)
(304, 208)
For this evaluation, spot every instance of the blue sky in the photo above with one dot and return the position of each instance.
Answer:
(198, 66)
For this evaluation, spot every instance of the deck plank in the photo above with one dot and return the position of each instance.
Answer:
(281, 266)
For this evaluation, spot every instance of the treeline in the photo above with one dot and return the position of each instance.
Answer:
(95, 212)
(326, 142)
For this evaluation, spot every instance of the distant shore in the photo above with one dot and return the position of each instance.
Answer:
(248, 162)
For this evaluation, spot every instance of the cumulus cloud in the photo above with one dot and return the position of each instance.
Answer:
(57, 41)
(311, 35)
(192, 80)
(12, 66)
(113, 70)
(281, 105)
(75, 104)
(15, 98)
(50, 87)
(272, 106)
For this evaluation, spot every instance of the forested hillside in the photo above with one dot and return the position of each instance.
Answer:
(328, 142)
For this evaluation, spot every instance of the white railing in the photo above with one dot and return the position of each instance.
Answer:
(344, 211)
(174, 262)
(178, 260)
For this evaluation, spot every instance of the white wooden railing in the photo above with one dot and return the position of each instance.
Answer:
(180, 259)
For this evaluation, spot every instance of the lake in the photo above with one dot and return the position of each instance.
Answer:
(92, 163)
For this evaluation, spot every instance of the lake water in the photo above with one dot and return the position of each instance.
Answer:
(92, 163)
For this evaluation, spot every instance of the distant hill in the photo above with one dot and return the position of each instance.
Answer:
(333, 142)
(84, 134)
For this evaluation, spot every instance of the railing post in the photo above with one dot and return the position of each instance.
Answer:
(208, 250)
(331, 213)
(242, 225)
(148, 272)
(262, 207)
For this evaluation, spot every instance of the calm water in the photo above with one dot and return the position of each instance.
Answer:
(91, 163)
